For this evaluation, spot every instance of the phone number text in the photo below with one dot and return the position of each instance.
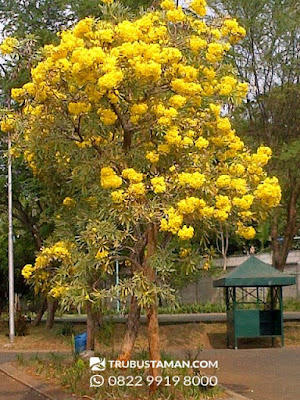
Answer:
(195, 380)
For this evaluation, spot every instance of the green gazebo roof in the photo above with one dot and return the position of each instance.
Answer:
(254, 272)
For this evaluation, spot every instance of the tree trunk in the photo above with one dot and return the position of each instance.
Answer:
(132, 328)
(1, 306)
(133, 318)
(26, 219)
(90, 327)
(281, 250)
(153, 337)
(51, 309)
(152, 314)
(41, 312)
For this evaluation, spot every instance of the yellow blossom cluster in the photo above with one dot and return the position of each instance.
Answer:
(58, 291)
(79, 108)
(48, 258)
(236, 169)
(89, 142)
(101, 254)
(196, 44)
(223, 124)
(27, 271)
(239, 185)
(199, 6)
(245, 202)
(137, 189)
(154, 112)
(223, 181)
(223, 205)
(227, 85)
(269, 192)
(118, 196)
(248, 232)
(184, 252)
(58, 252)
(186, 232)
(109, 179)
(262, 156)
(190, 204)
(158, 184)
(107, 116)
(177, 101)
(8, 45)
(69, 202)
(172, 136)
(194, 179)
(137, 110)
(216, 51)
(201, 143)
(132, 175)
(29, 157)
(176, 15)
(152, 156)
(173, 222)
(8, 124)
(233, 29)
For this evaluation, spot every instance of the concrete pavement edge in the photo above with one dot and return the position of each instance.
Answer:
(38, 385)
(234, 395)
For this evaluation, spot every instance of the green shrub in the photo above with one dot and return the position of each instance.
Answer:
(66, 329)
(291, 304)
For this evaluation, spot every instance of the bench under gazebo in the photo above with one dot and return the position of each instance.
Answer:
(254, 304)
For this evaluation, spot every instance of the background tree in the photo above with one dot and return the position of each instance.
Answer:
(281, 127)
(268, 58)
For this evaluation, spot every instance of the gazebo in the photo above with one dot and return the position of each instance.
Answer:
(254, 305)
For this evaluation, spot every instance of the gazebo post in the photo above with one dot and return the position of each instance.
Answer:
(234, 330)
(281, 315)
(272, 308)
(227, 308)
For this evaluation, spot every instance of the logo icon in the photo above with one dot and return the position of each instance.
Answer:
(96, 381)
(97, 364)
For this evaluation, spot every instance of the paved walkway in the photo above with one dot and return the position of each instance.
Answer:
(10, 389)
(16, 384)
(259, 374)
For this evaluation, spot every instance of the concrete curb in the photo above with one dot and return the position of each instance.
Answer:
(44, 389)
(234, 395)
(168, 319)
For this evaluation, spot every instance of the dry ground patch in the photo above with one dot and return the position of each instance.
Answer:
(173, 337)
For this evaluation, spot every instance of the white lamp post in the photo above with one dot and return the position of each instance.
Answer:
(10, 250)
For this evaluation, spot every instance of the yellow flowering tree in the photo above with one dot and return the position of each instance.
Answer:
(143, 104)
(42, 275)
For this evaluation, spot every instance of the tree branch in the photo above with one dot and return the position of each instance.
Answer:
(127, 127)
